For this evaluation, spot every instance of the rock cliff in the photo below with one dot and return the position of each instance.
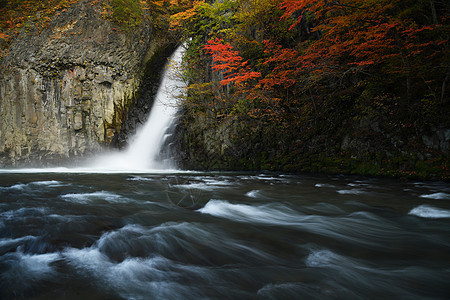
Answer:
(64, 91)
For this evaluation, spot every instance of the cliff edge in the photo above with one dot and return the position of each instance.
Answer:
(64, 89)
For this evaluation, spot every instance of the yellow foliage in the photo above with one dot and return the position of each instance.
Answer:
(177, 20)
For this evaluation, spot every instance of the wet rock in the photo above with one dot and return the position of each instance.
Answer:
(439, 139)
(64, 91)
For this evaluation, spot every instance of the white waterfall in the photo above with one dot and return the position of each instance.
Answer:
(144, 148)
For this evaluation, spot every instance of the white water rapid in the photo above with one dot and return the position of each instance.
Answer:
(143, 151)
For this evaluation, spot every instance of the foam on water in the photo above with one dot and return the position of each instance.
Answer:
(19, 186)
(266, 214)
(197, 186)
(264, 177)
(28, 269)
(321, 258)
(253, 194)
(320, 185)
(171, 252)
(208, 185)
(216, 182)
(38, 170)
(427, 211)
(358, 228)
(48, 183)
(359, 184)
(133, 278)
(85, 198)
(437, 196)
(14, 242)
(351, 192)
(32, 186)
(23, 212)
(132, 261)
(139, 178)
(16, 187)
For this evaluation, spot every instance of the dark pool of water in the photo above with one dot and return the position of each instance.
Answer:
(222, 236)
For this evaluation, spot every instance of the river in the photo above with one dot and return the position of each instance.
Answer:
(188, 235)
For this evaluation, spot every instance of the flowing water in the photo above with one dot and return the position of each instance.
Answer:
(143, 152)
(194, 235)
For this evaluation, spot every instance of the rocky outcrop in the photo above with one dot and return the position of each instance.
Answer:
(362, 144)
(64, 91)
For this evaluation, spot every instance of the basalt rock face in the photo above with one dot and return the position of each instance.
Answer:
(64, 91)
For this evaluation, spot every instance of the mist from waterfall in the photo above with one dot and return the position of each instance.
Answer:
(144, 148)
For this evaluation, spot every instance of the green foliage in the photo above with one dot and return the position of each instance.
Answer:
(125, 13)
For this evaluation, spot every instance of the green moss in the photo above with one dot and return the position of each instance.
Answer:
(125, 13)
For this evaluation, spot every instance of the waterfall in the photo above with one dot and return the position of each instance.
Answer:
(143, 151)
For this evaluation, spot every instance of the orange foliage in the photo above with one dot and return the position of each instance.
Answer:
(346, 38)
(358, 33)
(16, 13)
(227, 60)
(4, 36)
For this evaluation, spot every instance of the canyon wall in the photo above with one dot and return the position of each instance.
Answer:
(64, 90)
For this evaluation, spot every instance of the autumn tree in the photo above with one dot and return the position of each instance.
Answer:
(229, 63)
(364, 36)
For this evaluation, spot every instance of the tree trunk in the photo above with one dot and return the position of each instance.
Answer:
(444, 85)
(433, 12)
(407, 66)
